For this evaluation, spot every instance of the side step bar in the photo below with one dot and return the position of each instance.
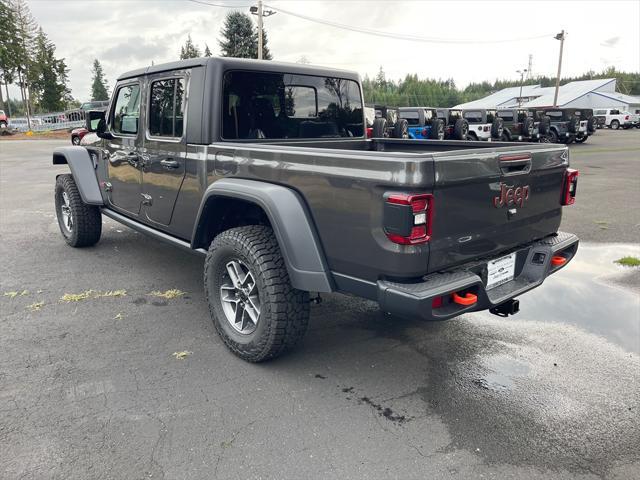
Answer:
(163, 237)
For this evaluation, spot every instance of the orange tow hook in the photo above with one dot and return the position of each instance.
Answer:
(468, 299)
(557, 260)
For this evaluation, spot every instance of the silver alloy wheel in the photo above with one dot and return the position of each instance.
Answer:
(65, 209)
(240, 299)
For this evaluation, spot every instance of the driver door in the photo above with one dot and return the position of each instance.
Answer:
(123, 151)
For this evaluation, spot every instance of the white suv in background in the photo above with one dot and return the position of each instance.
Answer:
(613, 118)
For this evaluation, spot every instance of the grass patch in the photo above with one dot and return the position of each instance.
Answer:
(181, 355)
(34, 307)
(169, 294)
(16, 294)
(119, 316)
(629, 261)
(77, 297)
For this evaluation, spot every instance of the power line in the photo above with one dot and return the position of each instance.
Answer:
(398, 36)
(208, 4)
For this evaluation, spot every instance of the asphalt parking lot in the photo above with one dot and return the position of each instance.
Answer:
(90, 389)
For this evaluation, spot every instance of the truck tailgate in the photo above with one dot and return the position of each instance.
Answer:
(490, 202)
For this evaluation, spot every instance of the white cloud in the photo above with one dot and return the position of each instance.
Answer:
(129, 34)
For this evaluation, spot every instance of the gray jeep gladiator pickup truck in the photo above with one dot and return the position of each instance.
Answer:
(264, 168)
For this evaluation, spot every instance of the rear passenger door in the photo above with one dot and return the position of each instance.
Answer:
(164, 145)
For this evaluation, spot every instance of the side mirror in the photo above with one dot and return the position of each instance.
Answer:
(96, 122)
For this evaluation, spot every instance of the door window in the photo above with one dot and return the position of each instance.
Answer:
(126, 111)
(166, 109)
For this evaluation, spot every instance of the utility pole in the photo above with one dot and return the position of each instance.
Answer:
(560, 37)
(522, 74)
(530, 68)
(260, 13)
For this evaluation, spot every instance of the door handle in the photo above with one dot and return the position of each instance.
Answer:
(169, 164)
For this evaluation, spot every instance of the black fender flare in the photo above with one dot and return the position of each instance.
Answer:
(291, 222)
(83, 172)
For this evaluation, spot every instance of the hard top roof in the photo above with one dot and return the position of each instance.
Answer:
(228, 63)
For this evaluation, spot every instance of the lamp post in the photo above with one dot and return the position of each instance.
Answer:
(560, 37)
(260, 13)
(522, 74)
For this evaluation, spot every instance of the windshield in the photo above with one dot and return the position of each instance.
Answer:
(282, 105)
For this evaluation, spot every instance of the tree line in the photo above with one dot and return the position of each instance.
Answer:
(414, 91)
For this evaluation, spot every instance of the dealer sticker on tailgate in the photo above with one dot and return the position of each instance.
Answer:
(501, 270)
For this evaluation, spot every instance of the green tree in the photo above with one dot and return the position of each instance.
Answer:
(207, 52)
(99, 83)
(25, 29)
(9, 51)
(48, 76)
(189, 50)
(240, 37)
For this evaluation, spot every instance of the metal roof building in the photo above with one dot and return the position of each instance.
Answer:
(600, 93)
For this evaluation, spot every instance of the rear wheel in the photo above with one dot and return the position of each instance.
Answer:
(80, 224)
(581, 139)
(75, 140)
(615, 124)
(552, 136)
(255, 309)
(461, 129)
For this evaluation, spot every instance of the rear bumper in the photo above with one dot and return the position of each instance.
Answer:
(533, 265)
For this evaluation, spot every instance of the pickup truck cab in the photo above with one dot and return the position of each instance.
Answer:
(613, 118)
(483, 124)
(264, 169)
(423, 122)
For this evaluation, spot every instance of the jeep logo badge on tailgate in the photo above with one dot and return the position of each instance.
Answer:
(510, 195)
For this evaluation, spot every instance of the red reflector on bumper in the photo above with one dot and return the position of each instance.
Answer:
(468, 299)
(557, 260)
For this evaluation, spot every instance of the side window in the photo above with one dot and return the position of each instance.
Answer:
(506, 116)
(166, 109)
(126, 111)
(615, 112)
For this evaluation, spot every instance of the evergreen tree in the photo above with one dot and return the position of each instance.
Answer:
(189, 50)
(48, 76)
(207, 52)
(9, 51)
(99, 83)
(26, 29)
(240, 37)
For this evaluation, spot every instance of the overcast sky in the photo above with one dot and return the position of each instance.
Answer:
(127, 34)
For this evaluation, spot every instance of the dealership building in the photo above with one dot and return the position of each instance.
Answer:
(594, 94)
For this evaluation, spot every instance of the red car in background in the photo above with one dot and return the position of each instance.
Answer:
(77, 134)
(4, 120)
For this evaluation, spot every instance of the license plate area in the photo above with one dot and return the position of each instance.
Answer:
(501, 270)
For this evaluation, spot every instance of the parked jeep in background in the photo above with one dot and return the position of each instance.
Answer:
(518, 125)
(613, 118)
(388, 123)
(455, 127)
(564, 123)
(483, 124)
(264, 169)
(588, 124)
(423, 122)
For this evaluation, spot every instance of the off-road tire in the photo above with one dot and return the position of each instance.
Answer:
(3, 124)
(497, 127)
(87, 219)
(527, 127)
(615, 124)
(437, 129)
(574, 124)
(401, 129)
(553, 136)
(380, 128)
(461, 129)
(284, 310)
(592, 124)
(581, 139)
(75, 140)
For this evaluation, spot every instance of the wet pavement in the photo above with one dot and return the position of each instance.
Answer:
(91, 389)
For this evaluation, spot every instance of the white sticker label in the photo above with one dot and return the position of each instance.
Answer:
(501, 270)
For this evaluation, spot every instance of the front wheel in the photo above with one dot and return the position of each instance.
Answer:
(552, 136)
(255, 309)
(615, 124)
(80, 224)
(75, 140)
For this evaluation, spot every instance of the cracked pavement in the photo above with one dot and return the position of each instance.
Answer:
(91, 389)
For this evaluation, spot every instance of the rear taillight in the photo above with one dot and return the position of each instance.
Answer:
(626, 117)
(486, 128)
(424, 132)
(369, 132)
(570, 186)
(407, 218)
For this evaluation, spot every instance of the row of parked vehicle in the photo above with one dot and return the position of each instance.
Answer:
(549, 125)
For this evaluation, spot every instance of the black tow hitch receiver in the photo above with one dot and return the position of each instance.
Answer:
(510, 307)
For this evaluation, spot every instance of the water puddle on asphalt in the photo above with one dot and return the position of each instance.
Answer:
(590, 293)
